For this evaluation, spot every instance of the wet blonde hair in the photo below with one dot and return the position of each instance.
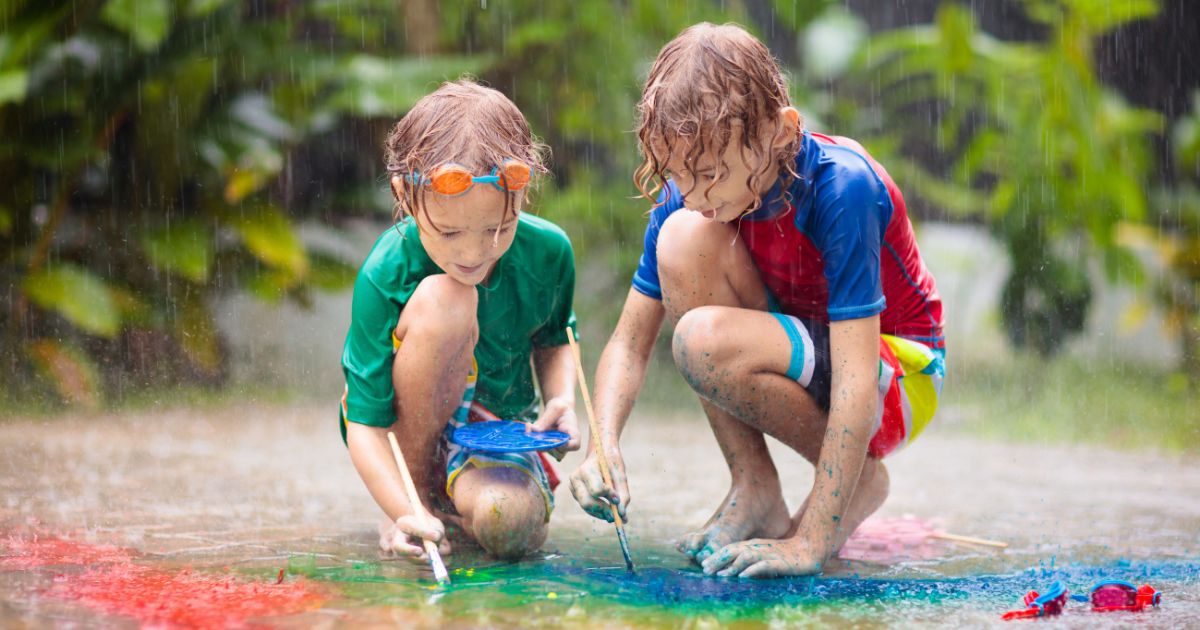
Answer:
(703, 83)
(464, 123)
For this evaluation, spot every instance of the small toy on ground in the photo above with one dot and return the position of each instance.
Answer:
(1114, 595)
(1106, 596)
(1046, 604)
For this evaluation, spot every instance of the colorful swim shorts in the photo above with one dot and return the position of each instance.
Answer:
(457, 458)
(910, 380)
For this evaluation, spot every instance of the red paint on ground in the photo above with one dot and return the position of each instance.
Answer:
(112, 583)
(41, 551)
(184, 598)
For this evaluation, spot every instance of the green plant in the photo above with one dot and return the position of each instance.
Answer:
(1025, 136)
(145, 148)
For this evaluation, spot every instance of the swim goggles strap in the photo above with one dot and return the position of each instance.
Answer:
(1040, 605)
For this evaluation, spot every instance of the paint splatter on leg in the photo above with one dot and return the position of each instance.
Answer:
(869, 495)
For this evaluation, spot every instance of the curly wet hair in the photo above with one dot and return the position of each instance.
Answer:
(703, 83)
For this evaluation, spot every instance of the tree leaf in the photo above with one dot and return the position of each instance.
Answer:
(1105, 15)
(146, 21)
(379, 86)
(268, 235)
(6, 220)
(245, 182)
(331, 274)
(133, 310)
(72, 373)
(185, 249)
(268, 285)
(79, 295)
(196, 332)
(12, 86)
(201, 8)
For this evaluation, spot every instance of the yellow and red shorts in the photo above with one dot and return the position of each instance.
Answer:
(910, 380)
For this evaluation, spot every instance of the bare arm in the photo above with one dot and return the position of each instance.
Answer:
(854, 345)
(619, 378)
(622, 368)
(556, 377)
(372, 457)
(556, 372)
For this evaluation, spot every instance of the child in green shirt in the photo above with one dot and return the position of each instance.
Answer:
(454, 308)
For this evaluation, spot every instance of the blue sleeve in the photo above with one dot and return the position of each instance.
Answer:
(645, 279)
(851, 212)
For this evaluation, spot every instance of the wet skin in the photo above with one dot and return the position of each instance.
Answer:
(735, 356)
(501, 509)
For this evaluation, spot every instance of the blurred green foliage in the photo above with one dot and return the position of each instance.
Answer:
(1024, 136)
(159, 152)
(1178, 288)
(1071, 400)
(145, 148)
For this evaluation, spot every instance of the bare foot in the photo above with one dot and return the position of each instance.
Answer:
(795, 554)
(746, 512)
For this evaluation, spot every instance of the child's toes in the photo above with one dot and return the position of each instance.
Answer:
(691, 544)
(706, 552)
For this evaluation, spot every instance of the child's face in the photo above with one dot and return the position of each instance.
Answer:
(460, 233)
(728, 173)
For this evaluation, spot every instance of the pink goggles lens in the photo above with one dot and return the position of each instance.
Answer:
(1111, 595)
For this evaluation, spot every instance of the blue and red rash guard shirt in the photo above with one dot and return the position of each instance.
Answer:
(839, 246)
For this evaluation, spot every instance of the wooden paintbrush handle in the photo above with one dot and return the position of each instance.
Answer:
(969, 540)
(587, 405)
(414, 500)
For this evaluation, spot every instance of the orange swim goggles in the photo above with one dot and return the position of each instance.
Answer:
(452, 179)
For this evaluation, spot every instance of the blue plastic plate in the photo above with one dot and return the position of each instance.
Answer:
(506, 436)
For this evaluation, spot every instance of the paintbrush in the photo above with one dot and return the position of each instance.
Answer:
(970, 540)
(595, 429)
(435, 558)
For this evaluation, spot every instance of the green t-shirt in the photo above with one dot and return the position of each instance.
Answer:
(525, 305)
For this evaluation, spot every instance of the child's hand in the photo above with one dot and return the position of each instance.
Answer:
(559, 415)
(587, 484)
(766, 558)
(405, 537)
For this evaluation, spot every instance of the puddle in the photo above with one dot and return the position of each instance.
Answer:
(104, 518)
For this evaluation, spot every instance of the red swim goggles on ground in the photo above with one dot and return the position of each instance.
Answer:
(1106, 596)
(1049, 604)
(452, 179)
(1113, 595)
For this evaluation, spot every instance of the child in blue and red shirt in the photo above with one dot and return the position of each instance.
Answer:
(800, 303)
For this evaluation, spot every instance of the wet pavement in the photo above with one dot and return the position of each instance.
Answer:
(156, 501)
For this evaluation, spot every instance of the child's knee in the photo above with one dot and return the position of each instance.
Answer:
(687, 243)
(441, 307)
(696, 342)
(509, 522)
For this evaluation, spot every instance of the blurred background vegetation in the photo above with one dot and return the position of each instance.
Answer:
(157, 155)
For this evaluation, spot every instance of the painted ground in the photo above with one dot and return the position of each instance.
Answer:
(226, 517)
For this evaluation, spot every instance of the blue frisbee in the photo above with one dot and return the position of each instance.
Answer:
(506, 436)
